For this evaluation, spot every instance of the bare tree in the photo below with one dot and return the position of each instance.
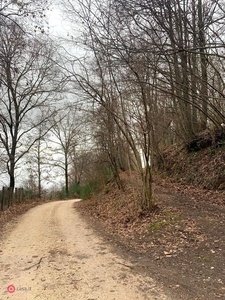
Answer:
(38, 161)
(107, 139)
(66, 127)
(28, 82)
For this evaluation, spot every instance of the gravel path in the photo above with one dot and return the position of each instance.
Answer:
(51, 253)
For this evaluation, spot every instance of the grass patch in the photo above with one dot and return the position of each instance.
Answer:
(168, 218)
(204, 258)
(157, 225)
(172, 216)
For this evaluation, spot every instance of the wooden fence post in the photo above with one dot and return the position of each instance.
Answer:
(19, 194)
(2, 199)
(8, 197)
(11, 195)
(16, 195)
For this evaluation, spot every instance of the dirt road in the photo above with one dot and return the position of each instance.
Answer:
(51, 253)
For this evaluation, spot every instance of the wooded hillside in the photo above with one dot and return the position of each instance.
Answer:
(203, 166)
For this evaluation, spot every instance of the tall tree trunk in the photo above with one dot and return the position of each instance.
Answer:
(66, 176)
(194, 68)
(12, 179)
(39, 168)
(203, 60)
(11, 168)
(147, 188)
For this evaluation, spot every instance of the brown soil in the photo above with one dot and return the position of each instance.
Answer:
(182, 244)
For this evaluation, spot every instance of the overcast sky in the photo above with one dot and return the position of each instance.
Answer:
(57, 25)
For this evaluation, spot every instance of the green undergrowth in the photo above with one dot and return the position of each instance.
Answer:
(84, 191)
(79, 191)
(168, 218)
(157, 225)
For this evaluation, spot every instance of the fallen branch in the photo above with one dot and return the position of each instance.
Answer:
(125, 265)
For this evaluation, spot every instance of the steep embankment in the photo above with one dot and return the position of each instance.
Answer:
(204, 168)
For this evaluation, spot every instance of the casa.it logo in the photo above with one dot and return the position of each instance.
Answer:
(11, 289)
